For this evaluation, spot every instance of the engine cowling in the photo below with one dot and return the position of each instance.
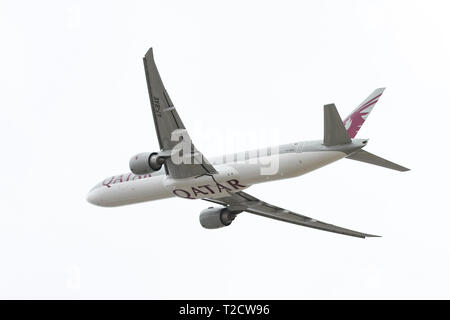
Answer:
(214, 218)
(146, 162)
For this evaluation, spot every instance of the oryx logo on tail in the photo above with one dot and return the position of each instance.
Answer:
(356, 119)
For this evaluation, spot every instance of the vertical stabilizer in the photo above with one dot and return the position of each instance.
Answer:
(356, 119)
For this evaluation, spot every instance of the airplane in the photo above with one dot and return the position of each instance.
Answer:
(178, 169)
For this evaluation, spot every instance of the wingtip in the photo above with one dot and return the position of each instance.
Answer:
(372, 236)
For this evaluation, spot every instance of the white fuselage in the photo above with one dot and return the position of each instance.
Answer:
(234, 173)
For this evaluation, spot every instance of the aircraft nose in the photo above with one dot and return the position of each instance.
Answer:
(92, 198)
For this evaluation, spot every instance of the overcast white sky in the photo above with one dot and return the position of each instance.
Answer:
(74, 108)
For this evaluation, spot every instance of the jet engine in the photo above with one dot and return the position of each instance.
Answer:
(214, 218)
(146, 162)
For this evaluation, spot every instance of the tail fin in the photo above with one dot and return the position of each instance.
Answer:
(368, 157)
(334, 130)
(356, 119)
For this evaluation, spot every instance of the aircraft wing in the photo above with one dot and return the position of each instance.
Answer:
(241, 201)
(170, 129)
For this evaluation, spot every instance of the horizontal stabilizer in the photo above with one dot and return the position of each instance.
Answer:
(364, 156)
(334, 130)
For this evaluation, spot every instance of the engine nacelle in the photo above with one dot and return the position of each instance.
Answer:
(146, 162)
(214, 218)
